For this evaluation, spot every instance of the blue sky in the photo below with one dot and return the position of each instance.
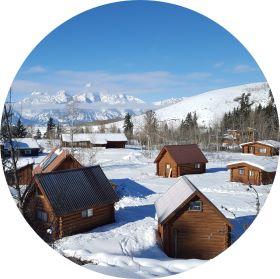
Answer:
(151, 50)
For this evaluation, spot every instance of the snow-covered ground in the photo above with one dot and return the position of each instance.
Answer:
(128, 247)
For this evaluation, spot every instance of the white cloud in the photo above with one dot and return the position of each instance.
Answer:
(243, 68)
(36, 70)
(218, 65)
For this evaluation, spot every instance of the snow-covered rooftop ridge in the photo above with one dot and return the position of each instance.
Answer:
(95, 138)
(173, 198)
(21, 162)
(265, 163)
(23, 143)
(272, 143)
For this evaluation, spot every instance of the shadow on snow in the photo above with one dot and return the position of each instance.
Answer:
(240, 224)
(212, 170)
(130, 188)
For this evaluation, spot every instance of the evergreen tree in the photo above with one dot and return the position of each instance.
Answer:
(128, 126)
(38, 134)
(50, 128)
(19, 131)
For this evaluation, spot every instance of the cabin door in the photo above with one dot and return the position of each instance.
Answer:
(252, 149)
(168, 170)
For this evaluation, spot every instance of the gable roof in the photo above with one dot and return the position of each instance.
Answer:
(22, 143)
(183, 154)
(265, 163)
(181, 192)
(76, 189)
(53, 160)
(272, 143)
(95, 138)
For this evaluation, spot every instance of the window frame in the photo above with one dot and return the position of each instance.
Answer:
(241, 171)
(251, 173)
(194, 208)
(27, 152)
(41, 215)
(263, 150)
(197, 165)
(87, 213)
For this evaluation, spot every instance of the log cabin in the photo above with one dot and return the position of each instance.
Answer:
(67, 202)
(88, 140)
(24, 172)
(57, 159)
(253, 170)
(261, 148)
(23, 147)
(189, 224)
(178, 160)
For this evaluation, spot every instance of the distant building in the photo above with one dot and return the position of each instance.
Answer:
(253, 170)
(56, 160)
(261, 148)
(112, 140)
(189, 224)
(22, 146)
(67, 202)
(178, 160)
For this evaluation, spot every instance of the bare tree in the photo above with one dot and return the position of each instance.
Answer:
(71, 115)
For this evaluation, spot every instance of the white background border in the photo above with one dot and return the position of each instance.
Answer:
(23, 24)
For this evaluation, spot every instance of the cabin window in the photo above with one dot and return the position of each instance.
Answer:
(251, 173)
(262, 150)
(27, 152)
(42, 216)
(197, 165)
(241, 171)
(87, 213)
(195, 206)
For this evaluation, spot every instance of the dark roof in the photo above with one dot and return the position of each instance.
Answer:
(183, 154)
(76, 189)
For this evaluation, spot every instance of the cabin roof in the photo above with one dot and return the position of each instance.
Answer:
(272, 143)
(53, 160)
(22, 143)
(76, 189)
(183, 154)
(265, 163)
(95, 138)
(177, 195)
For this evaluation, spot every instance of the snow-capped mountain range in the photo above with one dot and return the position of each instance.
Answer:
(92, 105)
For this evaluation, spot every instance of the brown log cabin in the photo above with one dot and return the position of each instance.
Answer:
(189, 224)
(56, 160)
(254, 170)
(67, 202)
(24, 173)
(261, 148)
(178, 160)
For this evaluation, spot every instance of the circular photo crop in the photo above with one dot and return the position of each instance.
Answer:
(139, 139)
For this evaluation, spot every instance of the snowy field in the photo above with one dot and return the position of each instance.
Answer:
(128, 247)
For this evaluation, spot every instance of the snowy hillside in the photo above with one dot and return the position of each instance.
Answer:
(209, 106)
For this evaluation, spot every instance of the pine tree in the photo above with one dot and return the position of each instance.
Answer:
(19, 131)
(128, 126)
(38, 134)
(50, 128)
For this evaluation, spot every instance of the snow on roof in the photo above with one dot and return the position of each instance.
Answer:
(173, 198)
(23, 143)
(273, 143)
(266, 163)
(95, 138)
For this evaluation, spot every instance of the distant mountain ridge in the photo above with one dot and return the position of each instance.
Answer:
(93, 105)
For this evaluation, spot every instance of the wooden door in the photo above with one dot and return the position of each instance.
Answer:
(168, 170)
(252, 149)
